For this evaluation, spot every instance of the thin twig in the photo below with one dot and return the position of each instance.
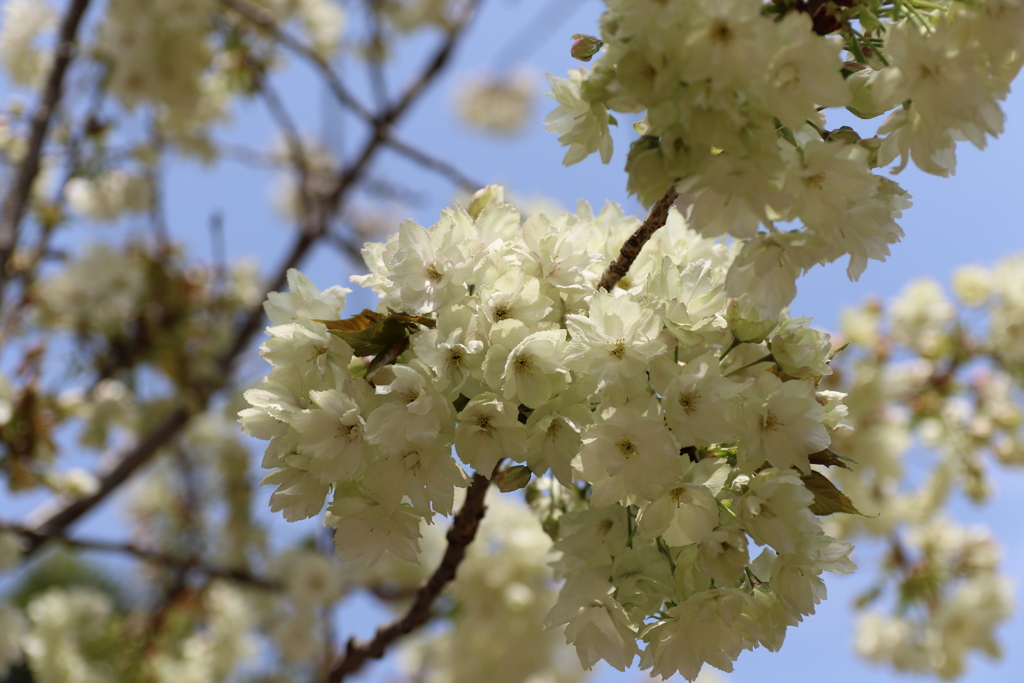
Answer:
(296, 151)
(238, 575)
(437, 165)
(381, 123)
(248, 156)
(55, 524)
(157, 218)
(265, 20)
(434, 67)
(618, 268)
(460, 535)
(374, 55)
(18, 196)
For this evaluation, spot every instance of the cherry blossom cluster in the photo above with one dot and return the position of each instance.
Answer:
(733, 95)
(678, 426)
(943, 373)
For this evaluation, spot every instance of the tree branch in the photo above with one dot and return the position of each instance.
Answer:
(460, 535)
(265, 20)
(439, 166)
(18, 196)
(618, 268)
(144, 451)
(296, 152)
(237, 575)
(381, 123)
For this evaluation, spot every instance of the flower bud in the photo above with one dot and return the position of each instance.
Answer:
(484, 197)
(513, 479)
(799, 351)
(584, 47)
(862, 94)
(745, 323)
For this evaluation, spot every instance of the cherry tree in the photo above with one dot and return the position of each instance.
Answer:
(550, 427)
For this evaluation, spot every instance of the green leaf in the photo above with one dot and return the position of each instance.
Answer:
(827, 498)
(827, 458)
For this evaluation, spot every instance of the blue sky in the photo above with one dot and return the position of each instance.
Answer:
(974, 217)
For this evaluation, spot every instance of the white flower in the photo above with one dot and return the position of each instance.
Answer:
(689, 300)
(311, 580)
(453, 351)
(726, 41)
(595, 623)
(299, 493)
(701, 406)
(774, 510)
(533, 371)
(767, 267)
(412, 410)
(334, 432)
(798, 350)
(497, 103)
(514, 296)
(304, 301)
(615, 342)
(580, 124)
(804, 73)
(273, 406)
(23, 21)
(722, 555)
(628, 452)
(687, 511)
(424, 473)
(12, 630)
(731, 195)
(489, 430)
(642, 576)
(590, 538)
(365, 528)
(708, 627)
(972, 285)
(780, 423)
(429, 267)
(554, 435)
(558, 251)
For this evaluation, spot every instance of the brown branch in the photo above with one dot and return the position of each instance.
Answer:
(375, 55)
(433, 67)
(144, 451)
(55, 524)
(381, 124)
(296, 152)
(18, 196)
(618, 268)
(186, 564)
(439, 166)
(265, 20)
(460, 535)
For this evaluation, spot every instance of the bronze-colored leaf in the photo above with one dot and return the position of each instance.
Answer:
(370, 333)
(412, 320)
(827, 498)
(386, 357)
(828, 458)
(356, 323)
